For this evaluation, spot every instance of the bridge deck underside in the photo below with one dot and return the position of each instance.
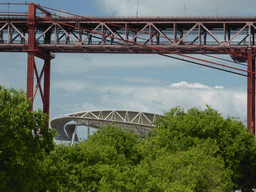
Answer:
(152, 35)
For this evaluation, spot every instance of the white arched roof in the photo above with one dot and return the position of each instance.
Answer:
(140, 122)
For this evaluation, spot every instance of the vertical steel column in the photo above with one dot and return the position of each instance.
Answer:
(174, 33)
(47, 77)
(250, 92)
(150, 33)
(253, 95)
(31, 48)
(32, 52)
(126, 34)
(74, 134)
(46, 101)
(224, 32)
(30, 77)
(199, 34)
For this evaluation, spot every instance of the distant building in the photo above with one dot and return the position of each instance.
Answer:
(140, 122)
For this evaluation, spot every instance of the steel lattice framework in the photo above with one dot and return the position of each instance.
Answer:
(140, 122)
(126, 35)
(41, 36)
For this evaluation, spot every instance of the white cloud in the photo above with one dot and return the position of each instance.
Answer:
(69, 85)
(184, 84)
(187, 85)
(178, 7)
(154, 99)
(157, 99)
(218, 87)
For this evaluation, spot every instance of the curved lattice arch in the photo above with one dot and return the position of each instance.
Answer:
(140, 122)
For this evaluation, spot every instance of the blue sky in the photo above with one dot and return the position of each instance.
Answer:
(149, 83)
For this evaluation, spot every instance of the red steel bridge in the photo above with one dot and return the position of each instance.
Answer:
(40, 33)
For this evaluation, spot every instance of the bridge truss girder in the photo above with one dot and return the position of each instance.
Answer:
(122, 35)
(40, 36)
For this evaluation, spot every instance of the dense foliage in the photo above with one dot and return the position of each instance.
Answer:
(20, 149)
(194, 151)
(180, 130)
(197, 150)
(114, 159)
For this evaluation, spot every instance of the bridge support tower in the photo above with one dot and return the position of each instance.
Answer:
(34, 51)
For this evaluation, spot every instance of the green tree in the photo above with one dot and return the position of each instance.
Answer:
(113, 159)
(83, 166)
(193, 170)
(194, 151)
(179, 130)
(21, 150)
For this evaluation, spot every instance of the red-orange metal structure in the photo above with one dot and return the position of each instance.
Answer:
(33, 52)
(41, 36)
(251, 91)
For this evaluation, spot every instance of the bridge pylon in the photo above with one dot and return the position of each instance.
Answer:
(34, 51)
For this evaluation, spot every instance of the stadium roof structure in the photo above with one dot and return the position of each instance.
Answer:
(140, 122)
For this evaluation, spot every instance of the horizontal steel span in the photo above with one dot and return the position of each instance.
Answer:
(198, 35)
(41, 36)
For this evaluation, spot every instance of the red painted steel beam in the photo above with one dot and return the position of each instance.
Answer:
(143, 45)
(251, 91)
(46, 100)
(101, 20)
(43, 10)
(250, 71)
(30, 77)
(31, 26)
(31, 23)
(253, 96)
(33, 52)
